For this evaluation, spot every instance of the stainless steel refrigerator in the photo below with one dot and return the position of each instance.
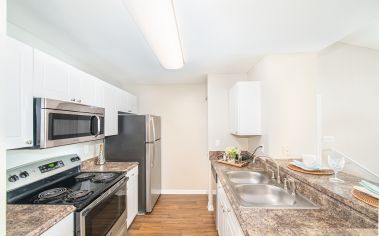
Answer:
(139, 139)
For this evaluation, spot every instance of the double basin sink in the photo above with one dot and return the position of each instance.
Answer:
(257, 189)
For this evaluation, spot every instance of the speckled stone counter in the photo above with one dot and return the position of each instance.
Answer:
(30, 220)
(90, 165)
(339, 191)
(332, 218)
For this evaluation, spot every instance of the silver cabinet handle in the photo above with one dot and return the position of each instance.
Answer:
(73, 99)
(79, 100)
(29, 141)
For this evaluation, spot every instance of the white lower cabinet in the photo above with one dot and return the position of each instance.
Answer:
(227, 223)
(132, 195)
(65, 227)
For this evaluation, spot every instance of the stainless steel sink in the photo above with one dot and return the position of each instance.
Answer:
(264, 195)
(257, 189)
(248, 177)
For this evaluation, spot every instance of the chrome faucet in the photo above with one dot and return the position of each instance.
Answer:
(264, 158)
(253, 156)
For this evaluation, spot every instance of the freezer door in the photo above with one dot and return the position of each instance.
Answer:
(153, 174)
(153, 128)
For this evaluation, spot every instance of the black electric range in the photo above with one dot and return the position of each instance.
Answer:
(78, 189)
(99, 197)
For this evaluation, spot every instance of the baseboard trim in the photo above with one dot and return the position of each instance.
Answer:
(184, 191)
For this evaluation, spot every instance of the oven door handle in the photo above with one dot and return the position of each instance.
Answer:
(104, 196)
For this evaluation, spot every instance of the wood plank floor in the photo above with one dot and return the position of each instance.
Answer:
(176, 215)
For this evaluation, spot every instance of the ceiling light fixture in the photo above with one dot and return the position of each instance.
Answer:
(156, 19)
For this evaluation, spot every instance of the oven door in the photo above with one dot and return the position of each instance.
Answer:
(60, 127)
(106, 215)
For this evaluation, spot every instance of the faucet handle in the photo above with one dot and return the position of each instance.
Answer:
(272, 174)
(293, 184)
(285, 183)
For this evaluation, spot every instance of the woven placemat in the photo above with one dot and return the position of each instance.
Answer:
(365, 198)
(242, 164)
(311, 172)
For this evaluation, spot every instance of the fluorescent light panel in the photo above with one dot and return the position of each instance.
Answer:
(156, 19)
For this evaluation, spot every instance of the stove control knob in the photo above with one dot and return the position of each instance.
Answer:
(73, 159)
(13, 178)
(24, 174)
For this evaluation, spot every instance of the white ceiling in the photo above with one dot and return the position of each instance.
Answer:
(367, 36)
(218, 36)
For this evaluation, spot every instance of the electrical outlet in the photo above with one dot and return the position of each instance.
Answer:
(217, 143)
(86, 149)
(285, 151)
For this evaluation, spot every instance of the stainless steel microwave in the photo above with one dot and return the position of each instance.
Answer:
(58, 123)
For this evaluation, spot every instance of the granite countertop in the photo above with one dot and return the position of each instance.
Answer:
(30, 220)
(340, 191)
(328, 220)
(90, 165)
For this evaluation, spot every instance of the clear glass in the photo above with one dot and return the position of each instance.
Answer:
(240, 158)
(336, 163)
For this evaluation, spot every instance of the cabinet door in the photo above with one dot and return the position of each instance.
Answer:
(233, 111)
(97, 96)
(18, 72)
(65, 227)
(220, 211)
(234, 227)
(51, 77)
(111, 112)
(122, 101)
(132, 195)
(132, 104)
(245, 108)
(80, 87)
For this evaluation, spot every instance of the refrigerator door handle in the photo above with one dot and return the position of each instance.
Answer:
(153, 155)
(153, 125)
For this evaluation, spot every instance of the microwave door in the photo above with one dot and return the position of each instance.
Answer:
(64, 127)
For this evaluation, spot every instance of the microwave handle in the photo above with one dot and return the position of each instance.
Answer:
(98, 126)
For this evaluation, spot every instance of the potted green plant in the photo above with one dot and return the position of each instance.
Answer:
(232, 153)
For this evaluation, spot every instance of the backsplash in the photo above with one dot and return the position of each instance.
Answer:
(23, 156)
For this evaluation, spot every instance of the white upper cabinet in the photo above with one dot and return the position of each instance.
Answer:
(18, 71)
(122, 100)
(132, 103)
(80, 87)
(85, 89)
(32, 73)
(97, 92)
(245, 108)
(51, 77)
(111, 97)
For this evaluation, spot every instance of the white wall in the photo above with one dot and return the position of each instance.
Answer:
(2, 151)
(288, 104)
(183, 110)
(23, 156)
(349, 85)
(219, 136)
